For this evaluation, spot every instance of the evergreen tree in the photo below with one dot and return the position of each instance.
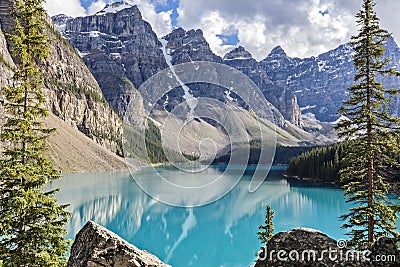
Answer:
(31, 221)
(367, 161)
(267, 231)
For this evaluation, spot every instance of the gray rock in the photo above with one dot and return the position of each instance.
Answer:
(385, 253)
(121, 46)
(186, 46)
(280, 96)
(116, 46)
(298, 241)
(297, 248)
(320, 82)
(95, 246)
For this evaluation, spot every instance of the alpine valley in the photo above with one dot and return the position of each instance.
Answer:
(114, 51)
(122, 52)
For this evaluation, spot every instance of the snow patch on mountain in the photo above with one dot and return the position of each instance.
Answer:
(307, 107)
(342, 118)
(190, 99)
(237, 58)
(114, 8)
(309, 116)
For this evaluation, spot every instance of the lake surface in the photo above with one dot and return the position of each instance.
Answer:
(222, 233)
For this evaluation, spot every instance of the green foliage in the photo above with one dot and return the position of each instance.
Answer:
(70, 87)
(283, 154)
(153, 151)
(322, 164)
(31, 232)
(368, 165)
(153, 143)
(267, 230)
(319, 164)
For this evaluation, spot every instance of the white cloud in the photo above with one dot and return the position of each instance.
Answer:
(160, 22)
(296, 25)
(96, 7)
(261, 25)
(388, 13)
(71, 8)
(214, 24)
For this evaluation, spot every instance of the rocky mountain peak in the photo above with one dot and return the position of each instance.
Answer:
(239, 53)
(60, 21)
(185, 46)
(115, 7)
(181, 35)
(119, 47)
(61, 18)
(277, 52)
(320, 82)
(176, 33)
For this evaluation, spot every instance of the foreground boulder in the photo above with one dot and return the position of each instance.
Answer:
(308, 247)
(96, 246)
(385, 252)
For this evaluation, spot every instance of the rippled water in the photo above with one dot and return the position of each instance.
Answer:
(222, 233)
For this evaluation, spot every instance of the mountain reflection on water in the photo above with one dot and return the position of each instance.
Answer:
(222, 233)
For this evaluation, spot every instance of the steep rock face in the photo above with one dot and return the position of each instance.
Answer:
(116, 44)
(182, 46)
(320, 82)
(71, 90)
(5, 6)
(95, 246)
(121, 50)
(74, 95)
(6, 65)
(282, 98)
(186, 46)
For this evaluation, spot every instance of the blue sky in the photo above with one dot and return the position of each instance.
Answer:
(166, 6)
(303, 28)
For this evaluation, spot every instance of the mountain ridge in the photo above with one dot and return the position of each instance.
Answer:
(306, 92)
(72, 93)
(95, 38)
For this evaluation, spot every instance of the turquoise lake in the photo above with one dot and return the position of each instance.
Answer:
(222, 233)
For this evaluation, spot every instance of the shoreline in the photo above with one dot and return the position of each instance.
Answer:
(394, 188)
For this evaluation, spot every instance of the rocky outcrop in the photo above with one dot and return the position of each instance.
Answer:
(95, 246)
(308, 247)
(239, 53)
(72, 92)
(60, 21)
(386, 250)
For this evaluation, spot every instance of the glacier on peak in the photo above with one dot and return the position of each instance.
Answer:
(114, 8)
